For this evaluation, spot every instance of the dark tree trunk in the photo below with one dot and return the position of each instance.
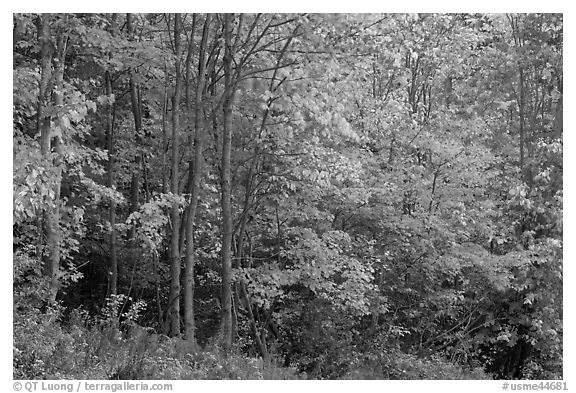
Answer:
(522, 110)
(113, 268)
(137, 114)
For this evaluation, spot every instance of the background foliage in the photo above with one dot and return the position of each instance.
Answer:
(287, 196)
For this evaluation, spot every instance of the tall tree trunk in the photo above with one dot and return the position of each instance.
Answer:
(113, 267)
(196, 168)
(49, 80)
(135, 182)
(164, 146)
(517, 34)
(137, 114)
(189, 111)
(522, 114)
(174, 298)
(226, 202)
(113, 272)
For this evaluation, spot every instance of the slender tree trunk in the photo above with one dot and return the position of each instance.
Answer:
(191, 135)
(522, 105)
(258, 338)
(226, 202)
(164, 147)
(135, 181)
(113, 272)
(174, 298)
(113, 263)
(517, 34)
(558, 117)
(137, 114)
(43, 121)
(196, 168)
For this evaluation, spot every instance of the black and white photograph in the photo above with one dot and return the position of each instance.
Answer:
(287, 196)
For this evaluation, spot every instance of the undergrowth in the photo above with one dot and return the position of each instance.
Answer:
(45, 347)
(83, 347)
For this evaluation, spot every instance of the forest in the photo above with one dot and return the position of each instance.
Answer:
(287, 196)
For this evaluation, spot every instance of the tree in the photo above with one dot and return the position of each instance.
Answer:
(229, 92)
(174, 297)
(195, 173)
(52, 69)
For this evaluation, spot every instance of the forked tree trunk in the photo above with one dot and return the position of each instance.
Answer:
(195, 189)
